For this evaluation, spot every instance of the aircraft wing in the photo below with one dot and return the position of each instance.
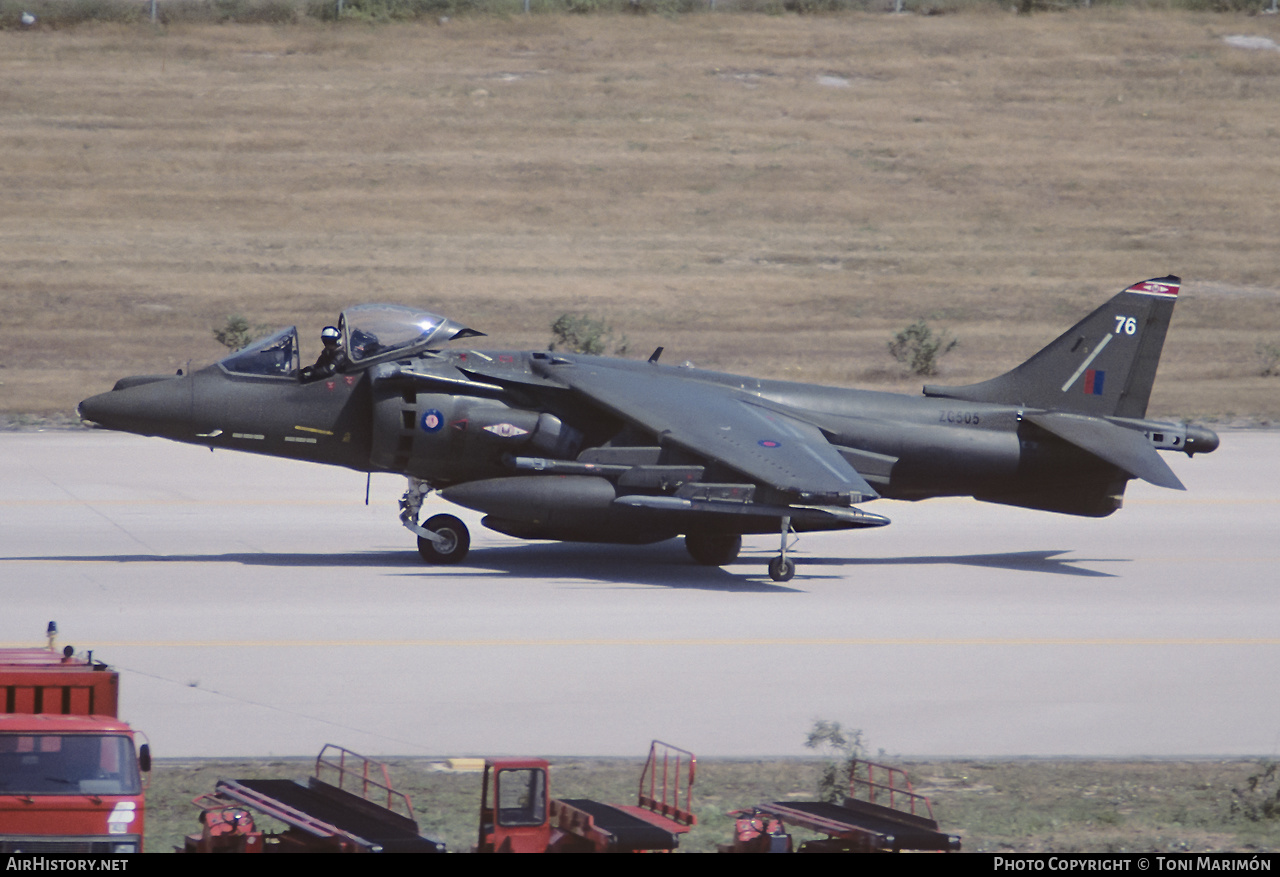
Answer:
(726, 425)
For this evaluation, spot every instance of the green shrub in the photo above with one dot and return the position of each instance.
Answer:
(842, 749)
(919, 349)
(1260, 797)
(1269, 358)
(666, 7)
(812, 6)
(580, 333)
(256, 11)
(385, 10)
(236, 332)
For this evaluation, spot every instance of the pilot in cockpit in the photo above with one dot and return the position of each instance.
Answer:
(331, 359)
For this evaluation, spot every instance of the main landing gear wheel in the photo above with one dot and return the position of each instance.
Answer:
(781, 569)
(713, 549)
(453, 540)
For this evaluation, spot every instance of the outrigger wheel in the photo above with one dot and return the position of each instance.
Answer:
(451, 543)
(782, 568)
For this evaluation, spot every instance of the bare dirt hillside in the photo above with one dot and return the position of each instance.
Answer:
(770, 194)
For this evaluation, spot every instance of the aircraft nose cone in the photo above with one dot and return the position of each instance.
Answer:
(146, 404)
(95, 410)
(1201, 440)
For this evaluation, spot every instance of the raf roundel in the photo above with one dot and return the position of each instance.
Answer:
(769, 443)
(432, 421)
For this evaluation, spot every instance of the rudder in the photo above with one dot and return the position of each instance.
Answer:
(1104, 365)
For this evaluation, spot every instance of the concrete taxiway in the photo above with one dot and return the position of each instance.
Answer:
(256, 606)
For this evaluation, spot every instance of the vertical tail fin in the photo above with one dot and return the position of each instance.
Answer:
(1102, 366)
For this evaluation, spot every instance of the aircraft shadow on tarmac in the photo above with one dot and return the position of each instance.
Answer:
(1024, 561)
(665, 565)
(621, 565)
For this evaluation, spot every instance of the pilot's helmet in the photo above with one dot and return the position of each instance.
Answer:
(330, 335)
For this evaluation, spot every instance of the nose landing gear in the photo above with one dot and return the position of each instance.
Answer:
(443, 538)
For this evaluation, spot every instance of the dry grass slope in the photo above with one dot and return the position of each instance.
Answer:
(770, 194)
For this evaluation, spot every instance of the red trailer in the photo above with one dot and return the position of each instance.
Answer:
(881, 814)
(347, 806)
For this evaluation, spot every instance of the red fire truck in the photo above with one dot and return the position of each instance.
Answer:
(71, 774)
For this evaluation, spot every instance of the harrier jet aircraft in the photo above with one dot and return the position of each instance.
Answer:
(584, 448)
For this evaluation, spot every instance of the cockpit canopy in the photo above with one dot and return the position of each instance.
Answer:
(370, 333)
(375, 333)
(274, 356)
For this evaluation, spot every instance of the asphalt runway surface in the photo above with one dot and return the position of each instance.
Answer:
(257, 607)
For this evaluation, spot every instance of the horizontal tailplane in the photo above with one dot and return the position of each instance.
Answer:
(1126, 449)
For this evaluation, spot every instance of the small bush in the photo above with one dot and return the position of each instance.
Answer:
(1269, 358)
(256, 11)
(236, 332)
(842, 749)
(398, 10)
(580, 333)
(919, 348)
(808, 7)
(1260, 797)
(666, 7)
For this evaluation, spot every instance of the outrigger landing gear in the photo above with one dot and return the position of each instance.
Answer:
(782, 568)
(444, 538)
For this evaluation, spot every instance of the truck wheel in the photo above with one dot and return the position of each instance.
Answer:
(781, 570)
(456, 541)
(713, 549)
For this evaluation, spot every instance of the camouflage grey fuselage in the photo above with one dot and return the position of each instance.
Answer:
(573, 447)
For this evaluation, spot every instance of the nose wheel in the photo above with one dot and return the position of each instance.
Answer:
(443, 538)
(449, 540)
(782, 568)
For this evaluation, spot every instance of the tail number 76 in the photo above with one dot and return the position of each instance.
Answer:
(1126, 325)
